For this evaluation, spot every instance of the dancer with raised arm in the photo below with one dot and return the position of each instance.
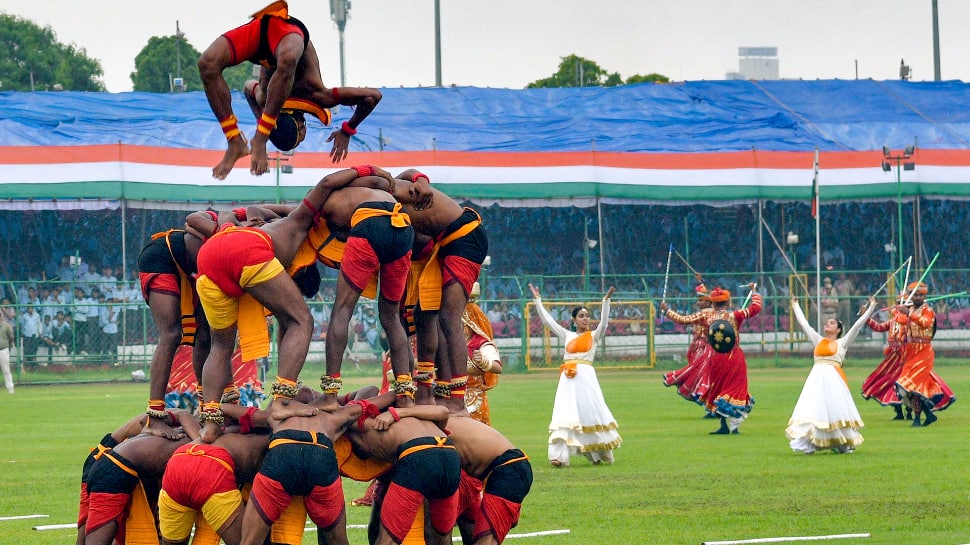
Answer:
(581, 421)
(825, 415)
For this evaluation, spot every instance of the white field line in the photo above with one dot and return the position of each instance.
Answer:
(784, 539)
(21, 517)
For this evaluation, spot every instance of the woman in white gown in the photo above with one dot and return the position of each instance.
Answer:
(581, 421)
(825, 415)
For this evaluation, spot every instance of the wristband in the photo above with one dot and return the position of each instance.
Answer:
(213, 215)
(246, 421)
(393, 411)
(240, 213)
(364, 170)
(317, 212)
(417, 175)
(347, 129)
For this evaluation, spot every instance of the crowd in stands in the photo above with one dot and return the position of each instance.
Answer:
(73, 269)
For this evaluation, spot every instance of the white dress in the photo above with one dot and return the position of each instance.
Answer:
(825, 416)
(581, 421)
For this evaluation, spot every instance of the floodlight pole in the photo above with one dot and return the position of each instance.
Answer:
(178, 52)
(936, 42)
(437, 43)
(339, 9)
(898, 159)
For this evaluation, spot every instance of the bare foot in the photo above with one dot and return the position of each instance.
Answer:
(327, 403)
(282, 410)
(238, 148)
(210, 432)
(160, 429)
(258, 163)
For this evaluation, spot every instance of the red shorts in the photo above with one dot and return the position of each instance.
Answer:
(82, 511)
(469, 497)
(244, 40)
(423, 473)
(378, 249)
(508, 480)
(460, 270)
(224, 256)
(305, 465)
(110, 485)
(196, 472)
(160, 283)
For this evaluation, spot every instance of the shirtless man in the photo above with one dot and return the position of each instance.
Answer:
(489, 458)
(281, 45)
(377, 253)
(242, 266)
(130, 428)
(206, 478)
(445, 274)
(166, 271)
(301, 462)
(117, 473)
(426, 467)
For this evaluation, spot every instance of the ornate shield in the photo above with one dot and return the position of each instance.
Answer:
(722, 336)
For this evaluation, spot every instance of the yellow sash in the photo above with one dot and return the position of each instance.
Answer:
(303, 105)
(186, 292)
(140, 527)
(399, 219)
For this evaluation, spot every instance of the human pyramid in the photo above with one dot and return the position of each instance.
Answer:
(241, 474)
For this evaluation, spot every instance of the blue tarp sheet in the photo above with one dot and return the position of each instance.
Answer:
(715, 116)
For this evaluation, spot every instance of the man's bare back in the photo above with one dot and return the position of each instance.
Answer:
(381, 436)
(478, 444)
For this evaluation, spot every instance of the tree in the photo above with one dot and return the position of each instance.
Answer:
(31, 59)
(575, 71)
(161, 59)
(652, 78)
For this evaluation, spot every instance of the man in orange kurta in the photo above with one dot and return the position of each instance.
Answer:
(917, 385)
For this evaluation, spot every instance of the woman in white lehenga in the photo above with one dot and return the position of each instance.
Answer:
(825, 415)
(581, 421)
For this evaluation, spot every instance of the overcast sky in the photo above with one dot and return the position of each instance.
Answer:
(509, 43)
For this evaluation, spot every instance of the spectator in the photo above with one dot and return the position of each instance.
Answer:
(62, 331)
(31, 327)
(29, 298)
(6, 343)
(847, 289)
(108, 320)
(79, 319)
(371, 333)
(94, 342)
(8, 311)
(47, 338)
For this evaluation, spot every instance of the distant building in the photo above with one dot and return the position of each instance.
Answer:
(759, 63)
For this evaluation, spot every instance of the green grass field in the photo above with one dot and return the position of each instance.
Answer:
(672, 483)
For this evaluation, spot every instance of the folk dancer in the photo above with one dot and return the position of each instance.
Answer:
(728, 395)
(825, 416)
(918, 386)
(484, 361)
(692, 380)
(581, 421)
(881, 383)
